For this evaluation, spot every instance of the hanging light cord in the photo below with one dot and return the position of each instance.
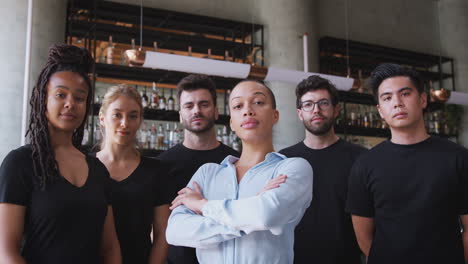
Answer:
(440, 43)
(347, 39)
(141, 24)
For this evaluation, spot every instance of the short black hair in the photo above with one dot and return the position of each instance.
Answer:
(389, 70)
(272, 95)
(314, 83)
(194, 82)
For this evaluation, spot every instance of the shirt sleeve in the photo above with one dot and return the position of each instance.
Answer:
(13, 187)
(462, 169)
(359, 201)
(161, 187)
(271, 210)
(186, 228)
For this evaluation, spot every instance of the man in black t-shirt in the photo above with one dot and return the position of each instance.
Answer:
(325, 234)
(409, 194)
(198, 113)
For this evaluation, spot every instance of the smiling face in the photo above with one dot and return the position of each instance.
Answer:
(121, 121)
(198, 112)
(252, 113)
(66, 101)
(400, 104)
(317, 112)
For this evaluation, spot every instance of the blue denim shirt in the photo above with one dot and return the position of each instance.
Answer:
(237, 226)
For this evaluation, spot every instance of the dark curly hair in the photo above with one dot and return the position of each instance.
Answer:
(61, 58)
(389, 70)
(314, 83)
(194, 82)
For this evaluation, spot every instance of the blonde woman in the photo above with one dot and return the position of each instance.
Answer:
(139, 199)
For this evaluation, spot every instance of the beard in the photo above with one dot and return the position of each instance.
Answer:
(321, 129)
(199, 129)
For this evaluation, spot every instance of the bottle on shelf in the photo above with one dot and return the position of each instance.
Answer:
(110, 51)
(171, 102)
(153, 137)
(226, 103)
(85, 140)
(189, 50)
(167, 136)
(154, 97)
(219, 135)
(144, 98)
(360, 88)
(160, 137)
(226, 55)
(209, 54)
(102, 56)
(155, 45)
(225, 136)
(162, 101)
(97, 133)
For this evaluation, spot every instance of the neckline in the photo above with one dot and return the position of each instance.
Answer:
(130, 175)
(87, 176)
(322, 149)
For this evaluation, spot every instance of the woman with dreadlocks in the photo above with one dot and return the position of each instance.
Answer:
(139, 196)
(54, 200)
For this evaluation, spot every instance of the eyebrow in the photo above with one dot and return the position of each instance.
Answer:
(199, 102)
(256, 93)
(118, 109)
(399, 91)
(82, 91)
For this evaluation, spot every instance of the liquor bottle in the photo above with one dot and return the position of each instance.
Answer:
(219, 135)
(209, 54)
(85, 136)
(190, 50)
(143, 142)
(237, 144)
(97, 133)
(167, 135)
(110, 51)
(133, 43)
(174, 136)
(360, 88)
(155, 45)
(153, 137)
(226, 55)
(155, 97)
(226, 103)
(225, 136)
(171, 102)
(144, 99)
(162, 101)
(102, 56)
(160, 137)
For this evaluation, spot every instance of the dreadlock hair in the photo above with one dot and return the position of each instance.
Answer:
(61, 58)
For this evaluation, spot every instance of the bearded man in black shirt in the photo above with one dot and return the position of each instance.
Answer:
(325, 234)
(198, 113)
(409, 194)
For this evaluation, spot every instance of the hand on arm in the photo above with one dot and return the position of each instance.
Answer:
(160, 246)
(192, 198)
(464, 222)
(11, 230)
(110, 248)
(364, 229)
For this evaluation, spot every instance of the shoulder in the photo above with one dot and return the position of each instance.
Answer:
(295, 164)
(97, 167)
(22, 153)
(351, 147)
(291, 150)
(226, 150)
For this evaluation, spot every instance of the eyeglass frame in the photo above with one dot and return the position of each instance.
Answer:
(318, 105)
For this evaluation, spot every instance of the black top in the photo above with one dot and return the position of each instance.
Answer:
(63, 223)
(415, 193)
(183, 163)
(325, 234)
(133, 202)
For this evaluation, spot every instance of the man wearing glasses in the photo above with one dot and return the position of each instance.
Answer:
(325, 234)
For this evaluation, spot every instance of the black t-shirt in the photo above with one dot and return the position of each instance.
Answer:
(325, 234)
(415, 193)
(183, 163)
(133, 202)
(63, 223)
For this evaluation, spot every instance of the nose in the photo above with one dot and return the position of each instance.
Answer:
(70, 102)
(248, 110)
(397, 102)
(124, 122)
(196, 109)
(315, 108)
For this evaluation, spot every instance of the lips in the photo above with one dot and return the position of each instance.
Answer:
(68, 116)
(318, 118)
(250, 123)
(400, 115)
(123, 133)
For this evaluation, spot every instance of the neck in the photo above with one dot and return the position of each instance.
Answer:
(253, 154)
(320, 141)
(60, 139)
(117, 152)
(409, 135)
(200, 141)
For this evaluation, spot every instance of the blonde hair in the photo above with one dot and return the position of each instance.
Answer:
(112, 94)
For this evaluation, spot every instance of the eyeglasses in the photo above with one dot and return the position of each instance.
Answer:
(308, 106)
